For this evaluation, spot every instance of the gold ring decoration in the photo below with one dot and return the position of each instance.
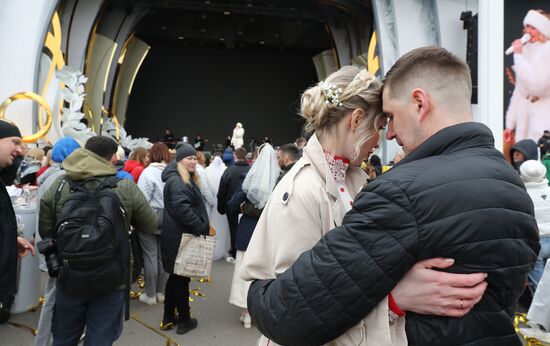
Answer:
(41, 101)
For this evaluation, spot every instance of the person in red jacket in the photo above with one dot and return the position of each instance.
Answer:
(139, 159)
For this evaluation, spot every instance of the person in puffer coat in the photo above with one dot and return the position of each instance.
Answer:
(184, 212)
(318, 191)
(453, 196)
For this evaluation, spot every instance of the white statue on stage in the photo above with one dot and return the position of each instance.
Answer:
(238, 136)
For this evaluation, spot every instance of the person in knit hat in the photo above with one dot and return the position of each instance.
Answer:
(184, 212)
(10, 244)
(533, 174)
(527, 114)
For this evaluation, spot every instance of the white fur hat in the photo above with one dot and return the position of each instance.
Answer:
(532, 171)
(539, 21)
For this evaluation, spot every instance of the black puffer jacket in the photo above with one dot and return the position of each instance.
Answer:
(184, 212)
(453, 197)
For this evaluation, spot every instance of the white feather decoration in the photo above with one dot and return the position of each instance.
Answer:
(73, 93)
(109, 129)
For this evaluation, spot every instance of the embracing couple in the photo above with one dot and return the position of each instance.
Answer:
(433, 252)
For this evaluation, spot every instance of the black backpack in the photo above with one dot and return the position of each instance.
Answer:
(92, 238)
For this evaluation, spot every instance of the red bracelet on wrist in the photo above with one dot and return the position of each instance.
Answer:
(393, 306)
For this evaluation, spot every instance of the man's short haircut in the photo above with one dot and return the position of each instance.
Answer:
(291, 150)
(432, 68)
(240, 153)
(103, 146)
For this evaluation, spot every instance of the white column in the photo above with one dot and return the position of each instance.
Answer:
(23, 25)
(490, 68)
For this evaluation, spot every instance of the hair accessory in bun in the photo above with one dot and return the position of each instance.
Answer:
(331, 93)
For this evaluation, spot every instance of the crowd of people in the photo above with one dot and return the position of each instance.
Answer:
(329, 246)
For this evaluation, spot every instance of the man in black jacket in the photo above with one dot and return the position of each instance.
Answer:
(229, 183)
(10, 243)
(287, 156)
(453, 196)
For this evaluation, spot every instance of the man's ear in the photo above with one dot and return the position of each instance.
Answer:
(113, 158)
(422, 103)
(356, 116)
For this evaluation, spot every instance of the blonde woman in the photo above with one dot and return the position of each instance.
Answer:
(344, 114)
(184, 212)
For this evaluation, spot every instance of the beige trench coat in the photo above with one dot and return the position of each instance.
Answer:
(302, 208)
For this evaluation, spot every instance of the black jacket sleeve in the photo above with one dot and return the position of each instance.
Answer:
(222, 192)
(333, 286)
(234, 204)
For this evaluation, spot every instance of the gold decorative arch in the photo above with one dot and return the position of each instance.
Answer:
(43, 105)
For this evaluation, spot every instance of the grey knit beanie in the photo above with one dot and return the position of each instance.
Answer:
(7, 129)
(183, 150)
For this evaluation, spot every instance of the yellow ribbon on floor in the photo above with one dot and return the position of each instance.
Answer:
(34, 331)
(521, 319)
(169, 340)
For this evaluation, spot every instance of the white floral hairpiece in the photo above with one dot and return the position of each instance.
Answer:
(331, 93)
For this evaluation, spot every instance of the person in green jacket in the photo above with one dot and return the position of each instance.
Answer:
(102, 315)
(546, 162)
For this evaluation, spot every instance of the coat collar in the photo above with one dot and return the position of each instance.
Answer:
(453, 138)
(314, 153)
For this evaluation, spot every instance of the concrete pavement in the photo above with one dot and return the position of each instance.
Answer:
(218, 320)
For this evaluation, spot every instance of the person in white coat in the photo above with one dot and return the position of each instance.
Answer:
(344, 114)
(533, 174)
(152, 186)
(528, 112)
(237, 140)
(539, 312)
(214, 173)
(208, 197)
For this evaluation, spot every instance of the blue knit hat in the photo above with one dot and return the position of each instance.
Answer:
(63, 148)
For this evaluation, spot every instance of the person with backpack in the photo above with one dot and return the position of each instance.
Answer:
(84, 222)
(61, 150)
(184, 212)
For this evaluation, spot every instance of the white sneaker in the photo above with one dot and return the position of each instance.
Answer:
(160, 297)
(144, 298)
(535, 333)
(230, 259)
(247, 320)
